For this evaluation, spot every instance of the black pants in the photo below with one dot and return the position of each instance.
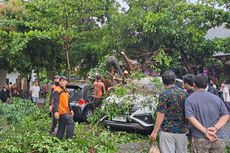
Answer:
(65, 125)
(54, 122)
(98, 102)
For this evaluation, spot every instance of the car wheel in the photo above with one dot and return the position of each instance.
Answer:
(87, 113)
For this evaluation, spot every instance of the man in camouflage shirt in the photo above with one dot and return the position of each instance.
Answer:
(170, 118)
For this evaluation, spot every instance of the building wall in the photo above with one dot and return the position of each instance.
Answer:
(12, 77)
(2, 78)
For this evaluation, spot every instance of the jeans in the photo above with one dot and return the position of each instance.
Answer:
(35, 99)
(65, 125)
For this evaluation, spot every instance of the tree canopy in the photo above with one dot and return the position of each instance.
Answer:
(58, 35)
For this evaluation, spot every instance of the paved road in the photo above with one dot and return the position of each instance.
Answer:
(227, 133)
(143, 146)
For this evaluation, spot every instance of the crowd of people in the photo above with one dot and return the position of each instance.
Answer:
(8, 91)
(34, 93)
(193, 114)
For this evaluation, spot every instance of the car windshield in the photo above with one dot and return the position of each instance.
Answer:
(79, 92)
(75, 93)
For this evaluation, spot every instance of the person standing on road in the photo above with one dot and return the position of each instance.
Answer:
(207, 114)
(99, 90)
(170, 118)
(210, 88)
(62, 110)
(34, 90)
(188, 83)
(54, 120)
(225, 95)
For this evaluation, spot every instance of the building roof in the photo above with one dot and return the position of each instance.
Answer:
(221, 54)
(218, 32)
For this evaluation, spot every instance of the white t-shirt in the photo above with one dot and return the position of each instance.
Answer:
(35, 91)
(226, 91)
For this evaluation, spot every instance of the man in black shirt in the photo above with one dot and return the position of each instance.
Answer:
(188, 80)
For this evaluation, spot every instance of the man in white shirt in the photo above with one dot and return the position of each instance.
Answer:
(34, 90)
(226, 96)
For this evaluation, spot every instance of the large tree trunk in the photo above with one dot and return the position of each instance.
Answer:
(67, 40)
(67, 49)
(38, 75)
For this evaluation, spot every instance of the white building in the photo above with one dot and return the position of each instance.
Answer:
(14, 77)
(8, 77)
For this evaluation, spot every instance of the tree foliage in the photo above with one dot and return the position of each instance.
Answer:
(57, 35)
(177, 27)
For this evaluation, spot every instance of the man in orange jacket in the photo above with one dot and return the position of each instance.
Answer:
(62, 110)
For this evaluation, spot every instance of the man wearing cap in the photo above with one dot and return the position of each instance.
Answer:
(53, 87)
(62, 110)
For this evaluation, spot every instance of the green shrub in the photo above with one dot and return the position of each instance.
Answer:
(227, 149)
(24, 128)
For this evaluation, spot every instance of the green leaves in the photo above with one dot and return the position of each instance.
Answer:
(51, 21)
(24, 128)
(222, 44)
(92, 29)
(153, 21)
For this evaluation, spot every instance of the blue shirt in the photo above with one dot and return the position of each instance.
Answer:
(207, 108)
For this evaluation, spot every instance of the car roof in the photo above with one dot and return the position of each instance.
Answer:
(77, 85)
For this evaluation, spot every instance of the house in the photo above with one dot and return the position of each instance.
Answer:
(218, 32)
(8, 77)
(15, 77)
(221, 32)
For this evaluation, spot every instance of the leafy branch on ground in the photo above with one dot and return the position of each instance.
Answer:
(24, 128)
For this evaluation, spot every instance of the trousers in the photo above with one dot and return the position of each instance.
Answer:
(65, 125)
(173, 142)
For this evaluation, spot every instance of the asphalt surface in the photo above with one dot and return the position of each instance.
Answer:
(227, 133)
(143, 146)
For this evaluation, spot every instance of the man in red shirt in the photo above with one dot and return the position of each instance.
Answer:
(99, 90)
